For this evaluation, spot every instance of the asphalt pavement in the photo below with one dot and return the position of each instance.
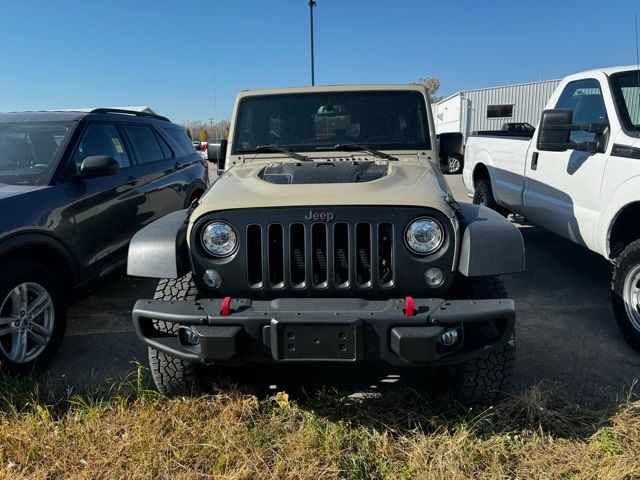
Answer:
(566, 333)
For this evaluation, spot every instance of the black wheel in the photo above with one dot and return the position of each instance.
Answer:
(486, 378)
(625, 293)
(173, 376)
(484, 196)
(455, 165)
(33, 316)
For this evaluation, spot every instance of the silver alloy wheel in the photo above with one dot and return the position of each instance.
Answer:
(631, 296)
(454, 164)
(27, 316)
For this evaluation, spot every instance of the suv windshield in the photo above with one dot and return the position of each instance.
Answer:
(29, 151)
(384, 120)
(626, 92)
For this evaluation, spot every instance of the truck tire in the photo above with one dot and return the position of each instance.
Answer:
(484, 196)
(33, 316)
(173, 376)
(455, 165)
(625, 293)
(485, 379)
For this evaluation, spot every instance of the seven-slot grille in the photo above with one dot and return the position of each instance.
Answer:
(317, 256)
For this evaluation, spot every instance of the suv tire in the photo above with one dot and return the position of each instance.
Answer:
(484, 196)
(625, 293)
(33, 316)
(172, 376)
(485, 379)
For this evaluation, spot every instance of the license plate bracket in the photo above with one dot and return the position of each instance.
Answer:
(316, 342)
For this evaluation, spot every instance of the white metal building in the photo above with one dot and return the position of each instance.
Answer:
(490, 108)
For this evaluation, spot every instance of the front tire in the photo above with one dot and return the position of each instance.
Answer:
(625, 293)
(485, 379)
(33, 316)
(173, 376)
(484, 196)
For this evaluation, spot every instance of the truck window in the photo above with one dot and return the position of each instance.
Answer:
(626, 93)
(584, 97)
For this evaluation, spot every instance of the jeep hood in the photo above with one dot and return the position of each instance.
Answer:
(404, 183)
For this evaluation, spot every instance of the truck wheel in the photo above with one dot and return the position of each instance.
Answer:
(484, 196)
(171, 375)
(625, 293)
(32, 316)
(486, 378)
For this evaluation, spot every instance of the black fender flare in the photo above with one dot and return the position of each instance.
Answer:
(491, 244)
(159, 250)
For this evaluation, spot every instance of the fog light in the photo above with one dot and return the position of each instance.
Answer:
(212, 278)
(190, 337)
(433, 277)
(449, 337)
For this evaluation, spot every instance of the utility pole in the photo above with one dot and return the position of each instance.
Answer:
(312, 4)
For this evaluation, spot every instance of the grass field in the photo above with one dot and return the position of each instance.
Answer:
(132, 432)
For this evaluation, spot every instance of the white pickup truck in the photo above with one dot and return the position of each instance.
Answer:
(577, 175)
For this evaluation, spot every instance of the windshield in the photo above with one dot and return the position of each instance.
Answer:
(384, 120)
(626, 92)
(28, 151)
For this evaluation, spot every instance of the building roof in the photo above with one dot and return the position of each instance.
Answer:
(499, 86)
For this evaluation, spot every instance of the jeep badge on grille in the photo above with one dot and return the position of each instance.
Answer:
(322, 216)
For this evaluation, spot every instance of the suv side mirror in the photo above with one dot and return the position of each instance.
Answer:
(216, 151)
(99, 166)
(555, 133)
(449, 145)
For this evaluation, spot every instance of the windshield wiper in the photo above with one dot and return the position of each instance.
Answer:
(275, 149)
(352, 147)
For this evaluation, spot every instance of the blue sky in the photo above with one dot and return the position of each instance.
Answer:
(64, 53)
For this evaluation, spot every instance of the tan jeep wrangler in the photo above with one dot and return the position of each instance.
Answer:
(331, 236)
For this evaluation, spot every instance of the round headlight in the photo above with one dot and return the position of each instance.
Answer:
(424, 236)
(219, 239)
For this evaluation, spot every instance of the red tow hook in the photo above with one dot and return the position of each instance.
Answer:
(225, 311)
(409, 309)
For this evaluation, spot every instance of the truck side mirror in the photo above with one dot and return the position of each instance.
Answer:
(555, 130)
(216, 151)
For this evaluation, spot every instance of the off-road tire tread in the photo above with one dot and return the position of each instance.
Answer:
(630, 256)
(485, 379)
(173, 376)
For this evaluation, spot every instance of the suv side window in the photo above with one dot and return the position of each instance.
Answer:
(146, 143)
(585, 98)
(180, 137)
(101, 139)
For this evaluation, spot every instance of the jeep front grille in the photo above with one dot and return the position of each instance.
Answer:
(320, 256)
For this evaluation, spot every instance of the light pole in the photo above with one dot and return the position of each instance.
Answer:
(312, 4)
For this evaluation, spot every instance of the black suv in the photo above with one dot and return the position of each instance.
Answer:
(74, 188)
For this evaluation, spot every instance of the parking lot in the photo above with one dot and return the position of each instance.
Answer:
(565, 328)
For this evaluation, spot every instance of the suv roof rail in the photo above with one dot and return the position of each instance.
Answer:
(130, 112)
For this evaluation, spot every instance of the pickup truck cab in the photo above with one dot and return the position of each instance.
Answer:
(577, 175)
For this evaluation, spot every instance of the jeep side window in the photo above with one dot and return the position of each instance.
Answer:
(101, 139)
(146, 143)
(585, 98)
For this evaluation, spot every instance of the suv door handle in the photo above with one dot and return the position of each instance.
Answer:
(132, 181)
(176, 165)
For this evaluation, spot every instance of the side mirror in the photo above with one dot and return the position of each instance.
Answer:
(555, 130)
(555, 133)
(450, 144)
(99, 166)
(216, 151)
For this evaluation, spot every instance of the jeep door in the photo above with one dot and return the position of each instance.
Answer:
(159, 167)
(108, 210)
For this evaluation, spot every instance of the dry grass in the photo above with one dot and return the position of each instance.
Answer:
(135, 433)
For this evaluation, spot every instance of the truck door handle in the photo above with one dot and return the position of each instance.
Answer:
(534, 161)
(132, 181)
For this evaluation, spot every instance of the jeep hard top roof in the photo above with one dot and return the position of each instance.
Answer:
(333, 88)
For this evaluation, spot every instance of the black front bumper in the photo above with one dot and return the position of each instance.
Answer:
(326, 330)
